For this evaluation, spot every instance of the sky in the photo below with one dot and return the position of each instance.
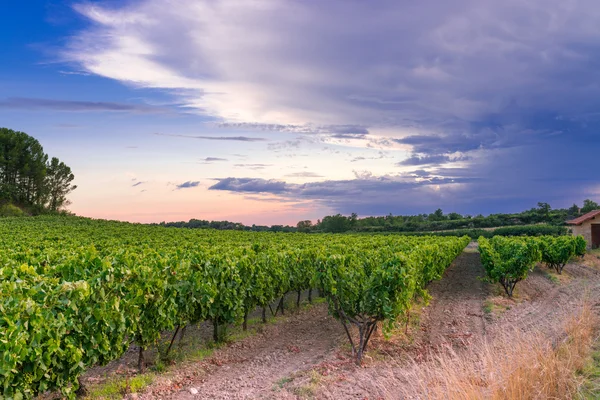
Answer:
(275, 111)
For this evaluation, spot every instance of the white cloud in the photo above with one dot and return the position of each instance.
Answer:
(337, 62)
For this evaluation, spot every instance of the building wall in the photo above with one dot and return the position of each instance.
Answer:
(585, 230)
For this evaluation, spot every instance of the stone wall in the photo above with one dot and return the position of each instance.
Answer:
(585, 230)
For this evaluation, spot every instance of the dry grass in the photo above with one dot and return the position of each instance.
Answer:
(516, 366)
(591, 259)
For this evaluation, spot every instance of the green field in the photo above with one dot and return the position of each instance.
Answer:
(75, 292)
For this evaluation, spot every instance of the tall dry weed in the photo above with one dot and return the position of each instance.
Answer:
(518, 365)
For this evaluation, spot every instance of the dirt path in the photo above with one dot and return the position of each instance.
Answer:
(255, 367)
(454, 316)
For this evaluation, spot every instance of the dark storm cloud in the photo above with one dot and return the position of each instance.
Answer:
(507, 87)
(32, 104)
(504, 180)
(433, 144)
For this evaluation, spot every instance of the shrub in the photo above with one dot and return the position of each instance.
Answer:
(557, 251)
(10, 210)
(531, 230)
(508, 260)
(580, 246)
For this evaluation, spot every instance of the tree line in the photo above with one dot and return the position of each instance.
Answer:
(415, 224)
(438, 221)
(226, 225)
(29, 178)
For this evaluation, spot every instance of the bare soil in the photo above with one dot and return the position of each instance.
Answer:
(256, 366)
(305, 354)
(455, 315)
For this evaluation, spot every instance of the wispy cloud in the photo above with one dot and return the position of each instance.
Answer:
(431, 160)
(74, 73)
(213, 159)
(138, 184)
(250, 185)
(285, 145)
(32, 104)
(336, 131)
(222, 138)
(187, 185)
(380, 155)
(304, 175)
(252, 166)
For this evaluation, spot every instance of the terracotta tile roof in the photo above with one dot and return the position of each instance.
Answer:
(583, 218)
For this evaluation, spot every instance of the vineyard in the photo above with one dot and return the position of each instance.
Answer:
(75, 293)
(509, 260)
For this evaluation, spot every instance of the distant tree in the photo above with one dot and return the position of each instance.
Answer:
(58, 184)
(26, 176)
(454, 216)
(543, 208)
(589, 205)
(335, 224)
(573, 211)
(304, 226)
(22, 168)
(437, 215)
(352, 219)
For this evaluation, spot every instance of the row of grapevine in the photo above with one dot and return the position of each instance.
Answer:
(75, 293)
(363, 290)
(509, 260)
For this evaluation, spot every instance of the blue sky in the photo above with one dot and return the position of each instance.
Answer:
(269, 111)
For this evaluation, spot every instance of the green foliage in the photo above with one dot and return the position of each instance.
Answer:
(541, 220)
(580, 246)
(557, 251)
(517, 224)
(335, 224)
(10, 210)
(589, 205)
(28, 178)
(380, 284)
(304, 226)
(524, 230)
(508, 260)
(75, 293)
(530, 230)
